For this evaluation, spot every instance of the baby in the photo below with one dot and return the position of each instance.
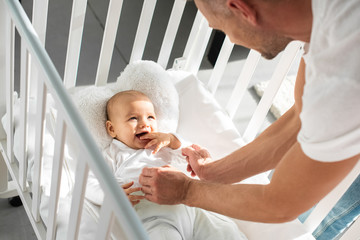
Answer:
(137, 144)
(132, 121)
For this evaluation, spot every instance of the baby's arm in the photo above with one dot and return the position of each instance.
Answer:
(160, 140)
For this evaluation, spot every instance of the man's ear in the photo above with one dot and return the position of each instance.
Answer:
(244, 9)
(110, 129)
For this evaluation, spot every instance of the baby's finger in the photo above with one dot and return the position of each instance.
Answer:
(127, 185)
(132, 190)
(148, 136)
(158, 147)
(151, 143)
(133, 198)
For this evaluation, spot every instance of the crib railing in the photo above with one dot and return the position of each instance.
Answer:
(49, 81)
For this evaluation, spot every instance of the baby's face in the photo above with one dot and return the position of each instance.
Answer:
(133, 117)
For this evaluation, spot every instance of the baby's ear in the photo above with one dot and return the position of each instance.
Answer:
(110, 129)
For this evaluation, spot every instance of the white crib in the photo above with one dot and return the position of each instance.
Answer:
(39, 79)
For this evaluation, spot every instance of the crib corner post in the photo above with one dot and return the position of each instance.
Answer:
(3, 21)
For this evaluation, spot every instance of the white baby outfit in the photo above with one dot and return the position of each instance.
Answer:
(161, 221)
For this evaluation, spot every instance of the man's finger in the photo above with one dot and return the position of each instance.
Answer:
(146, 189)
(147, 172)
(187, 151)
(196, 147)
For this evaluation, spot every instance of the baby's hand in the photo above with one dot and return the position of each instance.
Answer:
(134, 199)
(160, 140)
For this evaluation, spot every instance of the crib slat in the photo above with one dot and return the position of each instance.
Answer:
(106, 220)
(198, 48)
(82, 171)
(24, 88)
(142, 32)
(39, 21)
(220, 65)
(194, 30)
(10, 39)
(278, 76)
(56, 176)
(328, 202)
(112, 22)
(170, 33)
(242, 82)
(74, 42)
(38, 149)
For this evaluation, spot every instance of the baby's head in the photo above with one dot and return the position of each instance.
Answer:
(130, 114)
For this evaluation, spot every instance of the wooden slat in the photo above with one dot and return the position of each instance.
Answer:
(278, 76)
(242, 82)
(194, 30)
(39, 21)
(24, 88)
(39, 128)
(10, 42)
(57, 166)
(74, 42)
(106, 220)
(142, 32)
(111, 26)
(170, 33)
(198, 48)
(220, 65)
(77, 201)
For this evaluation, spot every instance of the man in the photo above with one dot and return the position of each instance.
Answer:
(312, 147)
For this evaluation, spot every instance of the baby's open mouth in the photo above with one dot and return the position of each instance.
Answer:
(140, 134)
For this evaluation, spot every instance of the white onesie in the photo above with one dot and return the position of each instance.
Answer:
(161, 221)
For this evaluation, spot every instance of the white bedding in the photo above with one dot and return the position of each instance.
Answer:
(201, 121)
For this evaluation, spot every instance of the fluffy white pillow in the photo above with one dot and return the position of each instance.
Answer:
(145, 76)
(202, 120)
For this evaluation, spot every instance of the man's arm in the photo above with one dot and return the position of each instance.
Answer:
(297, 184)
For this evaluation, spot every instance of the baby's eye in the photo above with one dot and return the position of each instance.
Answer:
(132, 118)
(151, 117)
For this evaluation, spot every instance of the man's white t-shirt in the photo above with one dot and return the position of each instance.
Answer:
(330, 116)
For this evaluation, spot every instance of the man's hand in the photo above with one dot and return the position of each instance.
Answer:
(197, 159)
(159, 140)
(164, 185)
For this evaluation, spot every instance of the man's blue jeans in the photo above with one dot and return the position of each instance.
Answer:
(346, 210)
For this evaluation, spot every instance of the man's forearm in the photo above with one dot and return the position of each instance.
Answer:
(296, 178)
(261, 155)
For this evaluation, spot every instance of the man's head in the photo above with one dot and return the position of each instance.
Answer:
(130, 115)
(245, 23)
